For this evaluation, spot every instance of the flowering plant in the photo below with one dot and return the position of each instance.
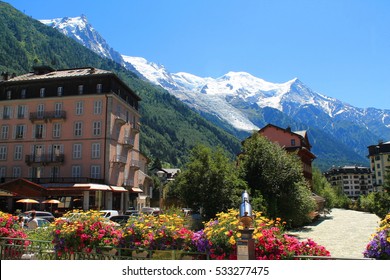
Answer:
(379, 246)
(84, 231)
(9, 226)
(163, 232)
(219, 239)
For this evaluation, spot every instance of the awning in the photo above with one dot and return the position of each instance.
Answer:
(118, 189)
(5, 193)
(136, 190)
(93, 187)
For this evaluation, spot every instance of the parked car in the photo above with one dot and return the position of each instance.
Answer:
(109, 213)
(120, 219)
(150, 210)
(39, 214)
(131, 211)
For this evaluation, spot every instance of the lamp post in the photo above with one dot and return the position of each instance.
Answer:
(246, 244)
(160, 175)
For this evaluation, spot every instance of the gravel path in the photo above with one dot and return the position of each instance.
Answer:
(344, 233)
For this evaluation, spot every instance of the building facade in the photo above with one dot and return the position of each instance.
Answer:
(292, 141)
(353, 180)
(379, 156)
(72, 134)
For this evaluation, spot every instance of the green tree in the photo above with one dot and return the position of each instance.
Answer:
(323, 188)
(278, 177)
(209, 181)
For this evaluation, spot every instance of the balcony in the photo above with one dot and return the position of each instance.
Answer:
(127, 141)
(121, 119)
(135, 127)
(128, 183)
(120, 160)
(46, 159)
(47, 116)
(135, 164)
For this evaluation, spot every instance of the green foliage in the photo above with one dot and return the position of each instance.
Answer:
(169, 128)
(376, 202)
(270, 171)
(209, 182)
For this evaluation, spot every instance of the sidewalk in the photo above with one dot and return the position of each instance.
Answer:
(344, 233)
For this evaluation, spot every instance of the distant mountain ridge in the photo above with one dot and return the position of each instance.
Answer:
(241, 103)
(169, 128)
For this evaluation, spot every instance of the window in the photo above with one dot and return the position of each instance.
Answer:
(76, 171)
(40, 110)
(39, 131)
(16, 172)
(60, 91)
(9, 94)
(99, 88)
(7, 112)
(293, 142)
(77, 151)
(80, 89)
(78, 129)
(3, 172)
(4, 132)
(95, 150)
(18, 153)
(95, 171)
(3, 152)
(20, 131)
(97, 107)
(97, 128)
(56, 130)
(57, 109)
(79, 107)
(378, 166)
(21, 111)
(42, 92)
(23, 93)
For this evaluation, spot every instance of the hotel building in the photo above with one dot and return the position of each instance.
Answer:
(70, 134)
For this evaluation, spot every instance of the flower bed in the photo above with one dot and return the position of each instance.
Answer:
(89, 232)
(220, 235)
(84, 231)
(379, 246)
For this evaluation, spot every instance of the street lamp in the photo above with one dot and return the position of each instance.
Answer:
(161, 175)
(246, 244)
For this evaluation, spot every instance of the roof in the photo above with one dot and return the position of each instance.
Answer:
(56, 74)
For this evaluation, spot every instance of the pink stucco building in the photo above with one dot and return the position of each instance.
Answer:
(72, 134)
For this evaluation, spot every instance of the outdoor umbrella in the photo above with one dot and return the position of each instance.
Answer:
(27, 201)
(52, 201)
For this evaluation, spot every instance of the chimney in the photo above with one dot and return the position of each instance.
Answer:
(4, 76)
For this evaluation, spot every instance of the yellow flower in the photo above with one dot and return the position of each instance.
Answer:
(232, 241)
(238, 234)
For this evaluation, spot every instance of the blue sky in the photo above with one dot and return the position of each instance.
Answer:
(340, 48)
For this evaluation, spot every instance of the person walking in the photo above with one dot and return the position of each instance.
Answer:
(32, 223)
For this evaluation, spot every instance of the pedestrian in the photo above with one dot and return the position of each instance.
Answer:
(21, 221)
(32, 223)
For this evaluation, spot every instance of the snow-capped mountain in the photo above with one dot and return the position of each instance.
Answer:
(246, 102)
(79, 29)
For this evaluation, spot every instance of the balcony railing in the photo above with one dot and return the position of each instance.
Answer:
(135, 164)
(127, 141)
(119, 159)
(128, 183)
(44, 116)
(135, 127)
(45, 159)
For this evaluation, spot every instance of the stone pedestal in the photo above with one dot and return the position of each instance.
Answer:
(246, 245)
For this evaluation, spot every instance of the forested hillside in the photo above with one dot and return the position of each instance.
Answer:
(169, 128)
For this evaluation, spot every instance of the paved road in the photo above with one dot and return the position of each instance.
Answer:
(344, 233)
